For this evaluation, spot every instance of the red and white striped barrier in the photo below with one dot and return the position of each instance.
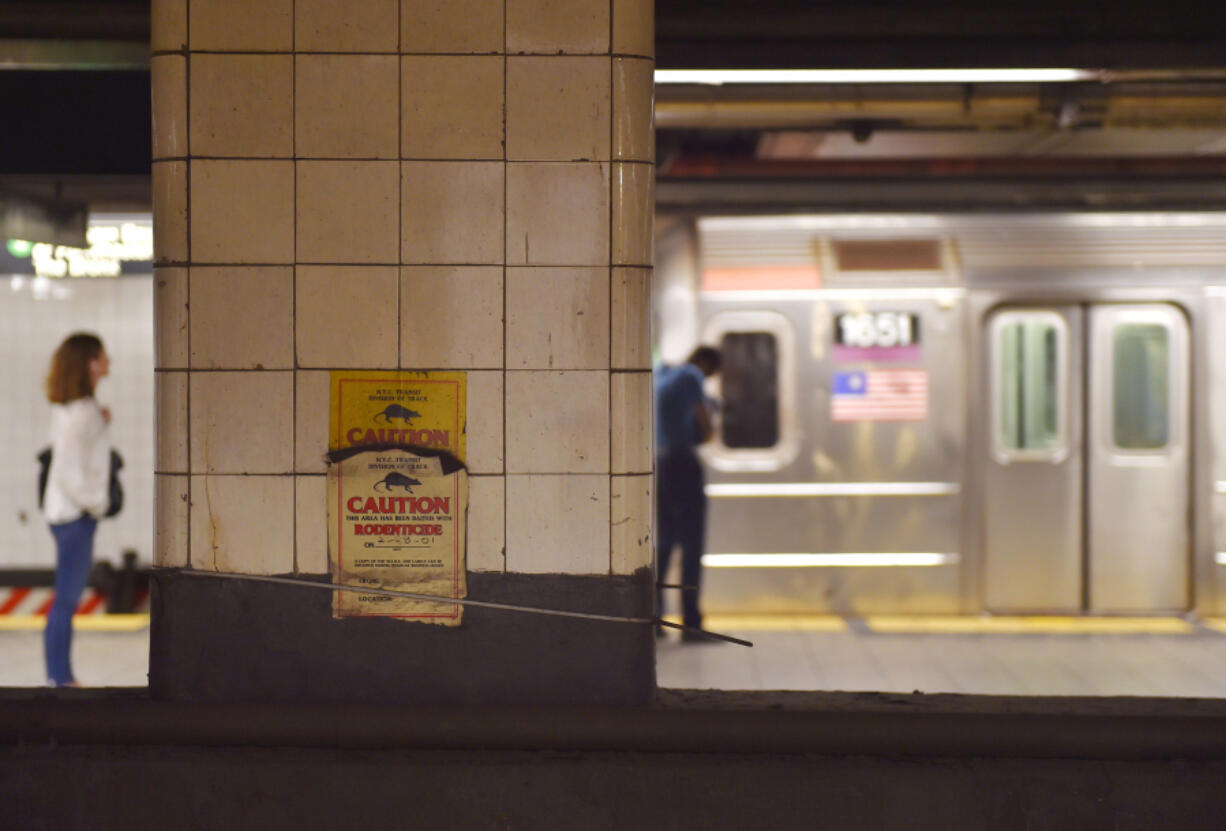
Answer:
(37, 600)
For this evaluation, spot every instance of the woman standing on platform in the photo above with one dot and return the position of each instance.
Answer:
(77, 485)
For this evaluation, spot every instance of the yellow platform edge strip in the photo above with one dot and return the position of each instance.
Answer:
(770, 623)
(81, 623)
(885, 624)
(1026, 625)
(961, 624)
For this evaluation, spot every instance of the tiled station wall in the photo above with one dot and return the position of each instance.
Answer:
(404, 184)
(34, 317)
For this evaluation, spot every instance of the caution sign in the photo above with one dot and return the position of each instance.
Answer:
(423, 409)
(397, 521)
(397, 492)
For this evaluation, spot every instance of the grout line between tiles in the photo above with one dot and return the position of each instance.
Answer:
(206, 264)
(294, 282)
(400, 320)
(400, 159)
(609, 273)
(379, 53)
(187, 243)
(506, 211)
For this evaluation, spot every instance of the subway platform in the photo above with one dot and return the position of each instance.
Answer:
(1029, 656)
(979, 655)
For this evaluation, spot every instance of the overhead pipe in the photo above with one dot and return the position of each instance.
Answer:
(716, 166)
(1025, 109)
(816, 112)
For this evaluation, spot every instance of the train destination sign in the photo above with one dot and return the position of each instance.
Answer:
(397, 521)
(876, 336)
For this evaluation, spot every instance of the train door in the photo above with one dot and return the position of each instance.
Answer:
(1086, 492)
(1138, 501)
(1035, 476)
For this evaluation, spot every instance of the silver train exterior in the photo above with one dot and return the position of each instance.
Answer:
(952, 414)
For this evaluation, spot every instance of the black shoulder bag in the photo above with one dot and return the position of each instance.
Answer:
(115, 500)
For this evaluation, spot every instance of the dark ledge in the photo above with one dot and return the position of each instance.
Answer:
(217, 640)
(679, 721)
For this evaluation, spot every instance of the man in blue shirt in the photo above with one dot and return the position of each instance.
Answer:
(682, 423)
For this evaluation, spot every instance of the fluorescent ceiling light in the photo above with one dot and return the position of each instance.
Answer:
(873, 76)
(824, 560)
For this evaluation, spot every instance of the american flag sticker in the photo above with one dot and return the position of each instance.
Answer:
(885, 395)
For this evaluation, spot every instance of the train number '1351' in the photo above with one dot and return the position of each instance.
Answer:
(876, 329)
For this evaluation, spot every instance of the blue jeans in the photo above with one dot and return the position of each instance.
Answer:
(681, 519)
(74, 553)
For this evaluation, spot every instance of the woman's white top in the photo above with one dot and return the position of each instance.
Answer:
(80, 475)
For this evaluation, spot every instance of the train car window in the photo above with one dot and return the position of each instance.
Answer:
(750, 389)
(1029, 387)
(1140, 378)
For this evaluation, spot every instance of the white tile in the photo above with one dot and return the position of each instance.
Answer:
(432, 127)
(170, 318)
(558, 109)
(169, 25)
(347, 106)
(558, 524)
(630, 319)
(240, 422)
(630, 512)
(243, 524)
(455, 26)
(242, 211)
(558, 26)
(242, 105)
(631, 422)
(484, 437)
(242, 317)
(168, 76)
(241, 25)
(633, 91)
(633, 214)
(486, 523)
(345, 26)
(346, 316)
(557, 422)
(347, 211)
(557, 214)
(452, 212)
(169, 212)
(634, 27)
(171, 391)
(311, 524)
(451, 317)
(557, 318)
(311, 397)
(170, 532)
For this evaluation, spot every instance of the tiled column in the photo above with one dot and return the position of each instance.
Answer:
(382, 184)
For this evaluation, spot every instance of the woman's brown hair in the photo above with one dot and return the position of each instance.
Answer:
(68, 378)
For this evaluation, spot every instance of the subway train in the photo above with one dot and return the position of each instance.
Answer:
(958, 414)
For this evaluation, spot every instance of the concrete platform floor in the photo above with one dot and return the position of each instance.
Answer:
(986, 656)
(991, 656)
(99, 659)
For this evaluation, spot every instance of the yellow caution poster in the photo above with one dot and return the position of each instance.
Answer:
(397, 521)
(424, 409)
(397, 493)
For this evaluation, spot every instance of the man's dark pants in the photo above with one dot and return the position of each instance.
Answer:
(681, 519)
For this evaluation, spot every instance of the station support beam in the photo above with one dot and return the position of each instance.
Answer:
(411, 185)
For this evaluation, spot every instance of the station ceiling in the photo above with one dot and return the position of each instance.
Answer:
(1147, 131)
